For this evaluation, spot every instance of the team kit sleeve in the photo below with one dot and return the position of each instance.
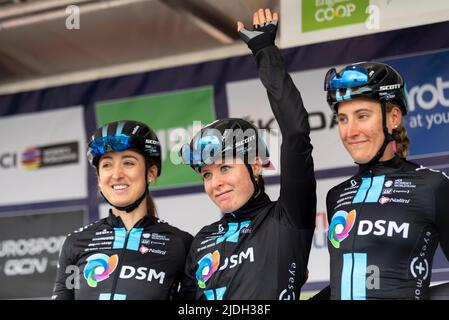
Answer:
(66, 282)
(442, 213)
(298, 184)
(188, 283)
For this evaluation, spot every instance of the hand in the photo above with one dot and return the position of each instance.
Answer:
(264, 30)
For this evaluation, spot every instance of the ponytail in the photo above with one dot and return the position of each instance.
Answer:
(151, 206)
(400, 135)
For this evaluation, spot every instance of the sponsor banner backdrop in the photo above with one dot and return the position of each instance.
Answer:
(311, 21)
(183, 114)
(29, 251)
(42, 157)
(316, 15)
(427, 122)
(324, 132)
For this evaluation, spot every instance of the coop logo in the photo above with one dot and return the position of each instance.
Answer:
(330, 12)
(99, 267)
(206, 267)
(341, 224)
(53, 155)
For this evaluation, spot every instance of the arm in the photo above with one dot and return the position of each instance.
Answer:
(61, 290)
(442, 213)
(298, 184)
(188, 283)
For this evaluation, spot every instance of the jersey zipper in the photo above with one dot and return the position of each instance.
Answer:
(120, 262)
(223, 250)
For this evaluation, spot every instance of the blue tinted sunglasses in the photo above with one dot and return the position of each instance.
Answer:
(202, 152)
(351, 76)
(101, 145)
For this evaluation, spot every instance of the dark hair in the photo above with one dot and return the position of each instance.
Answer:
(151, 206)
(261, 183)
(400, 134)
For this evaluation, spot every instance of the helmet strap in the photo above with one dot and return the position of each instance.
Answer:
(130, 207)
(388, 137)
(253, 180)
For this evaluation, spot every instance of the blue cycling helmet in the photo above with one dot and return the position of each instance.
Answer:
(231, 137)
(372, 80)
(124, 135)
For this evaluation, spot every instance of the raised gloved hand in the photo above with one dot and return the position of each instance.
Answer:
(265, 26)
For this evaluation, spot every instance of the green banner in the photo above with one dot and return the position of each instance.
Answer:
(173, 116)
(324, 14)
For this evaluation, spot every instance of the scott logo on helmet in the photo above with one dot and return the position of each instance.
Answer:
(249, 139)
(390, 87)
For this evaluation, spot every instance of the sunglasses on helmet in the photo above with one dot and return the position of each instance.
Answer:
(203, 150)
(349, 77)
(101, 145)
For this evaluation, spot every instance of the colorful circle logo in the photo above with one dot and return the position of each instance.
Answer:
(98, 268)
(31, 158)
(341, 224)
(206, 267)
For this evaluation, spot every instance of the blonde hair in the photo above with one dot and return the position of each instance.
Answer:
(400, 133)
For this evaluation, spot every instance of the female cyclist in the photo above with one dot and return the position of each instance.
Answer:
(131, 254)
(385, 222)
(260, 248)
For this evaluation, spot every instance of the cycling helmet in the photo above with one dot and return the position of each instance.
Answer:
(124, 135)
(121, 136)
(226, 138)
(372, 80)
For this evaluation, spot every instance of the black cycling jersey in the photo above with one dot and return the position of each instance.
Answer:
(261, 250)
(385, 224)
(109, 263)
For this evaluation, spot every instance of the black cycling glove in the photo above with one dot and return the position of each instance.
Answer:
(262, 36)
